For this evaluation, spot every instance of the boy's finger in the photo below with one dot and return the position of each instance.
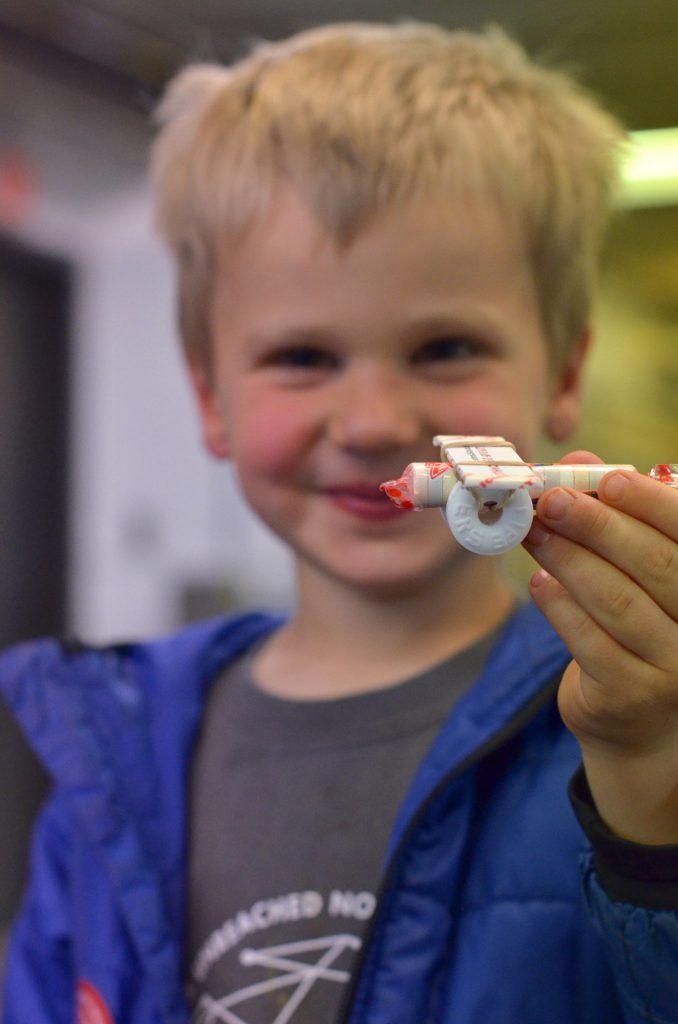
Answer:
(599, 654)
(646, 554)
(580, 457)
(601, 706)
(605, 595)
(645, 499)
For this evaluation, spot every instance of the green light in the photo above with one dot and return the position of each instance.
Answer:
(650, 169)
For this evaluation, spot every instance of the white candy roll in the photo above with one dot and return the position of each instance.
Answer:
(579, 476)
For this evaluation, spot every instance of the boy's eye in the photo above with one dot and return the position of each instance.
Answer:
(302, 357)
(452, 347)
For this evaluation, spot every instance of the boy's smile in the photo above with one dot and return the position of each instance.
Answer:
(361, 499)
(334, 367)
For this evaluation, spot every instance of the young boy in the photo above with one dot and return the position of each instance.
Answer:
(360, 813)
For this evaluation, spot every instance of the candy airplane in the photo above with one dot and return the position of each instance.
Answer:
(488, 493)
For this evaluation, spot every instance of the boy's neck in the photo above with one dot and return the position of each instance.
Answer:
(341, 643)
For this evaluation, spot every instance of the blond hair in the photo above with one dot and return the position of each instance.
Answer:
(358, 117)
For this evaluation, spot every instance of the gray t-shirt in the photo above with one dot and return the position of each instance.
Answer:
(291, 807)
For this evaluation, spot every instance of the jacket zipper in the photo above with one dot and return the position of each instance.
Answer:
(510, 729)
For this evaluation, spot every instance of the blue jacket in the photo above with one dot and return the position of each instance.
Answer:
(481, 918)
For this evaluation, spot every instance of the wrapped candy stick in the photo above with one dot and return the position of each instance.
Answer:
(429, 484)
(488, 492)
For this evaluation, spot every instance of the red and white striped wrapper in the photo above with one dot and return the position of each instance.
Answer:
(428, 484)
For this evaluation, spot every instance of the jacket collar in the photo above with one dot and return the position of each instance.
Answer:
(526, 657)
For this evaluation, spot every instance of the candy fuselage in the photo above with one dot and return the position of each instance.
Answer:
(428, 484)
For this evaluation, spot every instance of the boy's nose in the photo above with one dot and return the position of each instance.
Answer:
(374, 413)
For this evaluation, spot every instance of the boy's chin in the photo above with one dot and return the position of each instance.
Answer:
(392, 581)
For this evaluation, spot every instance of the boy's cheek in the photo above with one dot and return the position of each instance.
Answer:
(268, 436)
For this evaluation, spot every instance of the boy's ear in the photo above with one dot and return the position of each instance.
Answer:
(562, 416)
(211, 417)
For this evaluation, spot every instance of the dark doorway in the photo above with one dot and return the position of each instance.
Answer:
(34, 342)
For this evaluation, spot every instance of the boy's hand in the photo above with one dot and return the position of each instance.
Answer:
(609, 586)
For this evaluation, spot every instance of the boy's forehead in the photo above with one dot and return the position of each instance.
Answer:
(289, 232)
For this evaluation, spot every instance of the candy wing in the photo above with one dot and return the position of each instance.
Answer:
(482, 462)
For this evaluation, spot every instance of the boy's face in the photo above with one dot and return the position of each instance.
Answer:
(333, 369)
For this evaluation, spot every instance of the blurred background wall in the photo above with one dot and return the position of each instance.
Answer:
(113, 523)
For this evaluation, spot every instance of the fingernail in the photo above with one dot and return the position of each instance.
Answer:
(557, 504)
(539, 577)
(614, 486)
